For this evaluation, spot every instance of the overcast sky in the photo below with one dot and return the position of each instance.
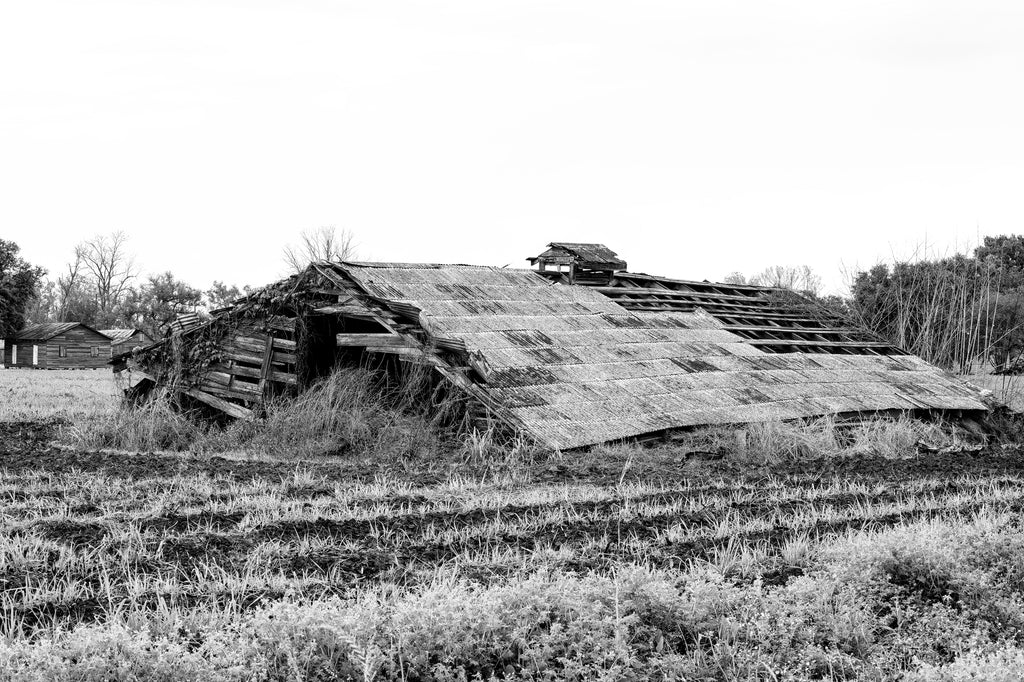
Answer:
(693, 138)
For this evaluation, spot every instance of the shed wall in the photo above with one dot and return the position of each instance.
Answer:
(84, 349)
(133, 341)
(24, 353)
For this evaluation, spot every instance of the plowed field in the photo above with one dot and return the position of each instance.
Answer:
(84, 534)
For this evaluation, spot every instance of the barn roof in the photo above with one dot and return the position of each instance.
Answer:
(570, 365)
(120, 335)
(44, 331)
(573, 367)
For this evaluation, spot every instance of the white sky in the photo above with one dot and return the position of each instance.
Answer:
(693, 138)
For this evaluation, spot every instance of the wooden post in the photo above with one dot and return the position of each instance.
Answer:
(268, 356)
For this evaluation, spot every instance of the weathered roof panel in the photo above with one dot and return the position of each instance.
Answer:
(576, 368)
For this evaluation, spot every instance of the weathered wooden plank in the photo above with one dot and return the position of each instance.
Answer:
(616, 292)
(227, 380)
(250, 344)
(253, 373)
(285, 345)
(397, 350)
(768, 329)
(230, 409)
(687, 304)
(230, 353)
(782, 318)
(346, 310)
(788, 328)
(376, 340)
(823, 344)
(265, 369)
(234, 391)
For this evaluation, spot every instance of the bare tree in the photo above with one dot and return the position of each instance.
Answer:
(110, 267)
(735, 278)
(68, 285)
(793, 277)
(325, 243)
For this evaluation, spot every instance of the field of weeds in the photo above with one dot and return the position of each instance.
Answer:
(777, 552)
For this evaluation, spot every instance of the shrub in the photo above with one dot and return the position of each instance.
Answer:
(1003, 665)
(114, 654)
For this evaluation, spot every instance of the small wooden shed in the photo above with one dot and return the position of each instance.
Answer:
(592, 264)
(124, 340)
(57, 345)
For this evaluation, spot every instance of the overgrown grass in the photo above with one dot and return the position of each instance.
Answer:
(777, 441)
(1006, 388)
(347, 413)
(83, 394)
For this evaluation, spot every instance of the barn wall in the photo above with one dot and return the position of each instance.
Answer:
(134, 341)
(24, 353)
(79, 343)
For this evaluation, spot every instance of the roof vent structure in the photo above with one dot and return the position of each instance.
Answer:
(575, 263)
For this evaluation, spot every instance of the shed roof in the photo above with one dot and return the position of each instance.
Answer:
(587, 253)
(44, 331)
(121, 335)
(576, 368)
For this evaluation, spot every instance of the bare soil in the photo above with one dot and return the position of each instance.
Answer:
(34, 445)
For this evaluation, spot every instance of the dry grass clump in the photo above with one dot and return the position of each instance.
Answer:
(1006, 388)
(347, 412)
(155, 425)
(344, 414)
(790, 441)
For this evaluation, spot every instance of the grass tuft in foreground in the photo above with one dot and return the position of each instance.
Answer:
(936, 599)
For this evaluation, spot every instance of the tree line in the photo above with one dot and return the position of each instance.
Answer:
(102, 285)
(960, 312)
(955, 311)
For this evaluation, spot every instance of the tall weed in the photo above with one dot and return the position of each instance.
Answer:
(344, 414)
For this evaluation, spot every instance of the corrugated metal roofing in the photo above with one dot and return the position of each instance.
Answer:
(119, 335)
(576, 368)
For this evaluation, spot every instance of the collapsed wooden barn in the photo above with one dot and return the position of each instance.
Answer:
(572, 355)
